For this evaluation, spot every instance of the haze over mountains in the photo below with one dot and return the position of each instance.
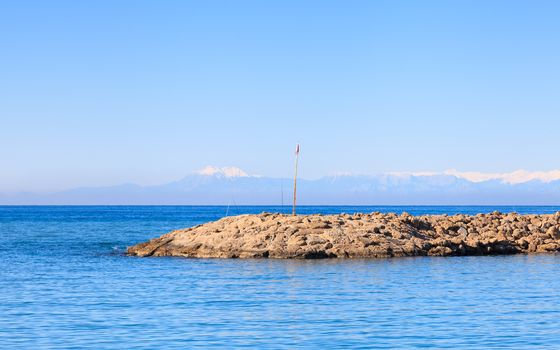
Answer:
(233, 186)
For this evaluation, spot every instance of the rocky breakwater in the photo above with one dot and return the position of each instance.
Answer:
(374, 235)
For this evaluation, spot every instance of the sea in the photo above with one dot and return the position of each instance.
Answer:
(65, 283)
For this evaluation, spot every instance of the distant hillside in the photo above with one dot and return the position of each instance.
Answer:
(222, 186)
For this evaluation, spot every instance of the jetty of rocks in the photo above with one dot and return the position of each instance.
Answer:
(374, 235)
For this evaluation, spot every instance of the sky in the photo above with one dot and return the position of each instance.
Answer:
(95, 93)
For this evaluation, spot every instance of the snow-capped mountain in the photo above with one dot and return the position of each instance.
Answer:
(230, 185)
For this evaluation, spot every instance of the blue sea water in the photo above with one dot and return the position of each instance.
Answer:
(66, 284)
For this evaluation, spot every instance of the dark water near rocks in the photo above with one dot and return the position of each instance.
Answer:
(64, 283)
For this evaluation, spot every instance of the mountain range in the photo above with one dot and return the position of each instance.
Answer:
(232, 186)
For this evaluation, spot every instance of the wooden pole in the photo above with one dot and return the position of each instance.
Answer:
(295, 181)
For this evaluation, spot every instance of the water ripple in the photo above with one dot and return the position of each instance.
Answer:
(66, 284)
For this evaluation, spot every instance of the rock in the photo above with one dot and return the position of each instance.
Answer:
(374, 235)
(462, 232)
(549, 247)
(440, 251)
(553, 232)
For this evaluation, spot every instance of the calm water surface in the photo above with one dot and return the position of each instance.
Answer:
(65, 283)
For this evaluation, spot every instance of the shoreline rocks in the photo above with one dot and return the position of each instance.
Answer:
(374, 235)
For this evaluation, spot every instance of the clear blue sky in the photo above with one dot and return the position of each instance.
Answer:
(105, 92)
